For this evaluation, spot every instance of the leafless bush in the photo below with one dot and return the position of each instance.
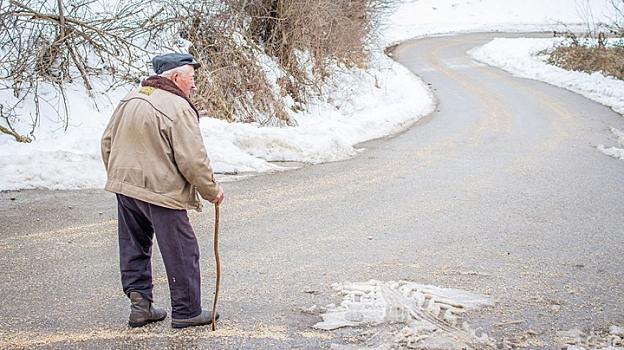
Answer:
(595, 50)
(52, 42)
(44, 42)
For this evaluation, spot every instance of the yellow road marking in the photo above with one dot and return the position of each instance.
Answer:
(498, 118)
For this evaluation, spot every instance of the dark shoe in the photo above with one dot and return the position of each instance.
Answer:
(200, 320)
(143, 311)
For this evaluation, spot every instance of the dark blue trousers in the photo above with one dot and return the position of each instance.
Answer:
(138, 222)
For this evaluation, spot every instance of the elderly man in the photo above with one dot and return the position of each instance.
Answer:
(157, 164)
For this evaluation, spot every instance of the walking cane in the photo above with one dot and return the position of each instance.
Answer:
(216, 252)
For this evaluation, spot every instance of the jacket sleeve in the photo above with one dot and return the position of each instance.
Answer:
(106, 145)
(107, 137)
(190, 154)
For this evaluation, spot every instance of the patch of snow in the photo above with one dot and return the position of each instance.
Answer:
(59, 158)
(615, 152)
(417, 18)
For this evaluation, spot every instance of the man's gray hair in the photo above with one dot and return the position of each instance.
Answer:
(184, 71)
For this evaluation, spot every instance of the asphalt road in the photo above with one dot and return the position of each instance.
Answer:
(501, 191)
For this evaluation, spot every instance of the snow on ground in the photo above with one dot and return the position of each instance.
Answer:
(417, 18)
(377, 103)
(615, 152)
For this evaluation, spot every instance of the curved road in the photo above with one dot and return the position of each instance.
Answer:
(500, 191)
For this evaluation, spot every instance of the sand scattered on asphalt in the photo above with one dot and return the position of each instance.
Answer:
(16, 339)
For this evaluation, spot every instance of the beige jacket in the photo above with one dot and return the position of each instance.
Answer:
(153, 151)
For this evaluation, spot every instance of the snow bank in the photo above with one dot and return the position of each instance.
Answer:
(364, 105)
(325, 131)
(59, 158)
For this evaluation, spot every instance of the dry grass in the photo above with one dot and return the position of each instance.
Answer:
(589, 59)
(595, 53)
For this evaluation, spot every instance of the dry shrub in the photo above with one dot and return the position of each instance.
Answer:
(598, 50)
(232, 83)
(51, 41)
(306, 39)
(316, 33)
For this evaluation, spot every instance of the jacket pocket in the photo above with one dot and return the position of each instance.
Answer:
(130, 175)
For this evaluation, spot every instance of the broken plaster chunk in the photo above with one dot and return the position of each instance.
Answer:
(354, 316)
(334, 320)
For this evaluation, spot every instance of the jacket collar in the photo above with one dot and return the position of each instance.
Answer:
(162, 83)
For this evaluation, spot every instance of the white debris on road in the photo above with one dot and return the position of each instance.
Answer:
(615, 152)
(432, 316)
